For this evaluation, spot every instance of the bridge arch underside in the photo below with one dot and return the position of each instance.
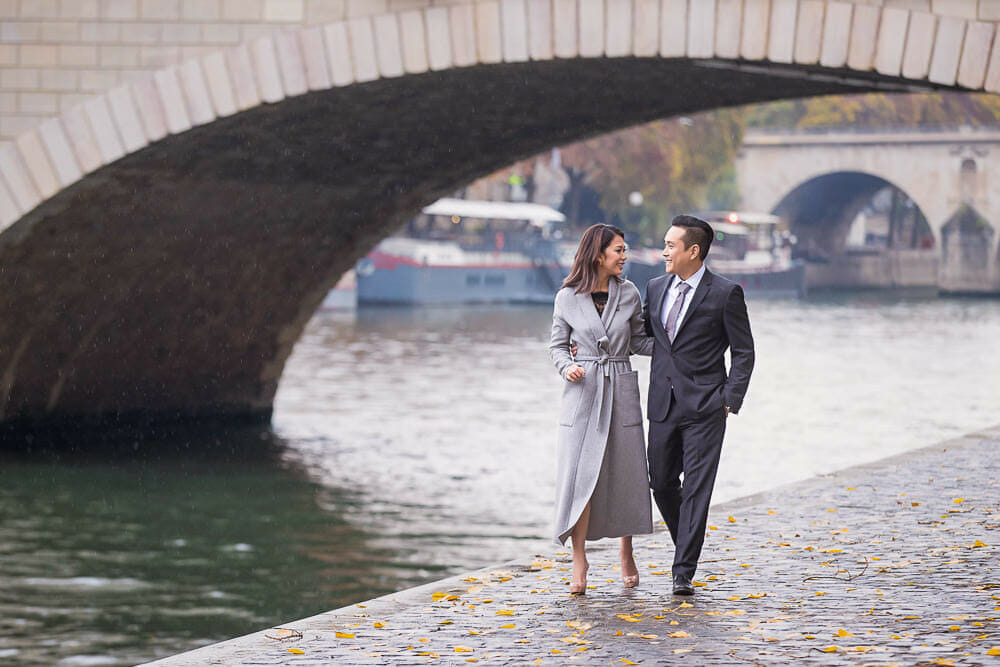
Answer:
(821, 210)
(174, 282)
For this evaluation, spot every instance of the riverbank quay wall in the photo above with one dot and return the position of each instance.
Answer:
(892, 562)
(164, 241)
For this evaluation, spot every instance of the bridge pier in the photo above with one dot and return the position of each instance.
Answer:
(969, 256)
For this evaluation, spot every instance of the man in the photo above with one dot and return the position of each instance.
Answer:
(694, 316)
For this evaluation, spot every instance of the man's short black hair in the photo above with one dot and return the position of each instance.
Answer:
(696, 231)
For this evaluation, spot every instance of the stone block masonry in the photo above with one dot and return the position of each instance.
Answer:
(54, 53)
(893, 562)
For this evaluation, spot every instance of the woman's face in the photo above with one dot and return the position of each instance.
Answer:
(612, 260)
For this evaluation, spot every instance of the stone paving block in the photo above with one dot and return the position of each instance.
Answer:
(18, 180)
(489, 40)
(265, 65)
(293, 71)
(781, 40)
(126, 117)
(646, 28)
(673, 28)
(413, 38)
(975, 54)
(172, 100)
(39, 55)
(564, 20)
(728, 28)
(338, 53)
(81, 138)
(362, 44)
(438, 38)
(540, 33)
(220, 84)
(919, 43)
(79, 9)
(514, 30)
(388, 53)
(836, 34)
(809, 32)
(893, 562)
(61, 155)
(314, 58)
(103, 127)
(891, 40)
(701, 29)
(291, 11)
(864, 36)
(195, 92)
(36, 159)
(947, 50)
(618, 28)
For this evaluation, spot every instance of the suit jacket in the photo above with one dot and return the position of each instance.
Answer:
(692, 369)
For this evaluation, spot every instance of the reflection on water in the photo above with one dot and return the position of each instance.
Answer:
(411, 444)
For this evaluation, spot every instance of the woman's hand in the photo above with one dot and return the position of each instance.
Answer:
(575, 374)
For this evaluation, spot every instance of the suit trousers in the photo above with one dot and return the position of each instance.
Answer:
(691, 446)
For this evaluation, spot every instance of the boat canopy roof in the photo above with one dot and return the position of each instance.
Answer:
(537, 214)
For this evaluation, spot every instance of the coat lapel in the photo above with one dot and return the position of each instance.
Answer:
(585, 302)
(699, 296)
(614, 294)
(656, 311)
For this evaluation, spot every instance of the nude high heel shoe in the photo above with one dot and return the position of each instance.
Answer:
(630, 580)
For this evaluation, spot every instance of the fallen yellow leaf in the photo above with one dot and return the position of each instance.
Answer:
(732, 519)
(618, 633)
(555, 650)
(296, 651)
(629, 662)
(844, 633)
(438, 596)
(679, 634)
(830, 649)
(994, 651)
(345, 635)
(977, 543)
(505, 612)
(507, 627)
(958, 500)
(463, 649)
(444, 622)
(378, 625)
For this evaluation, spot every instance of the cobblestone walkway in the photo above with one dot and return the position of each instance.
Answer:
(897, 562)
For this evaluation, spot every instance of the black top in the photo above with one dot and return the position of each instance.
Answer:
(600, 300)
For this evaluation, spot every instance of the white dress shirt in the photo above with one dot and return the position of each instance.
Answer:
(673, 293)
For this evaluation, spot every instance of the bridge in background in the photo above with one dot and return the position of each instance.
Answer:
(164, 242)
(820, 181)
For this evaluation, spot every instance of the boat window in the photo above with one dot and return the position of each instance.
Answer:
(471, 279)
(495, 280)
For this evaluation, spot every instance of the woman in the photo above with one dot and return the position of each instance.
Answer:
(602, 483)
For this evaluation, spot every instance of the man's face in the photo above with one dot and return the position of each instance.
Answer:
(680, 259)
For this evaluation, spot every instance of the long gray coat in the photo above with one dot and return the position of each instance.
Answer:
(602, 449)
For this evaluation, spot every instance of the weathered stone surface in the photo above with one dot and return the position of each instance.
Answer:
(891, 40)
(514, 29)
(781, 42)
(756, 17)
(892, 562)
(701, 29)
(646, 28)
(438, 39)
(919, 44)
(836, 34)
(975, 55)
(728, 28)
(540, 33)
(947, 50)
(673, 28)
(809, 31)
(591, 22)
(864, 37)
(564, 22)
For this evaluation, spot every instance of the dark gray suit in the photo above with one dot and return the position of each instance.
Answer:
(688, 392)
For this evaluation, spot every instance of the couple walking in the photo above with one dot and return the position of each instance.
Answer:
(690, 318)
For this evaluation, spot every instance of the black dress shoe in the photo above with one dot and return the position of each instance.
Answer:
(682, 585)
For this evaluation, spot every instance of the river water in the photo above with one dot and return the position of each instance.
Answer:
(411, 444)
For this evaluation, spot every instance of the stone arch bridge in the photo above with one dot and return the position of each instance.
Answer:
(820, 181)
(165, 241)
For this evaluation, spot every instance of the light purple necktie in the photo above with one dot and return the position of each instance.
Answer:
(675, 310)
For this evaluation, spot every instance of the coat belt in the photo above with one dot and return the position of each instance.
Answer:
(603, 360)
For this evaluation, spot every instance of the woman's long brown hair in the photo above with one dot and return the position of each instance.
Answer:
(595, 241)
